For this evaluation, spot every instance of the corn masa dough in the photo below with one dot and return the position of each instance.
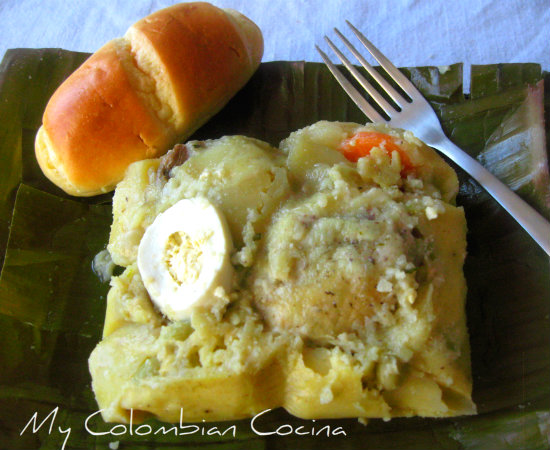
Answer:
(348, 297)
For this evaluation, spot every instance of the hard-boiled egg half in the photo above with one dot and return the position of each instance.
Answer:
(184, 258)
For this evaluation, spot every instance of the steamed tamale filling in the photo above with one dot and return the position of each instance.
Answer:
(347, 292)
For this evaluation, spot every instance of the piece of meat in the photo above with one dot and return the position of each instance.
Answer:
(175, 157)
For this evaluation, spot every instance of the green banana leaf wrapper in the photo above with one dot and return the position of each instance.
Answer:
(52, 303)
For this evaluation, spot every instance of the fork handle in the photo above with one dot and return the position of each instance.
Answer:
(533, 222)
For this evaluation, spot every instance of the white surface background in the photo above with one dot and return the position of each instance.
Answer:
(409, 32)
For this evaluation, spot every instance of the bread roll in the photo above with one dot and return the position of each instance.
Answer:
(138, 95)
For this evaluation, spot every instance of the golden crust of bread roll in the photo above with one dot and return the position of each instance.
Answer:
(138, 95)
(95, 125)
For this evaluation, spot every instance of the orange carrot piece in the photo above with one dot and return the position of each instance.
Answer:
(361, 144)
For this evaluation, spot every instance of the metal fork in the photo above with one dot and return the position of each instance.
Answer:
(416, 114)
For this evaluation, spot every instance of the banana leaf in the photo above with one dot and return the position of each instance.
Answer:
(52, 303)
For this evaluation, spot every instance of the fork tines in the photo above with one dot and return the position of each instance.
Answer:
(419, 117)
(356, 96)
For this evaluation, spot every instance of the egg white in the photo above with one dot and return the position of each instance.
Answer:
(184, 258)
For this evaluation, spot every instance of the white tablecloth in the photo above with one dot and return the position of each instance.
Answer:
(409, 32)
